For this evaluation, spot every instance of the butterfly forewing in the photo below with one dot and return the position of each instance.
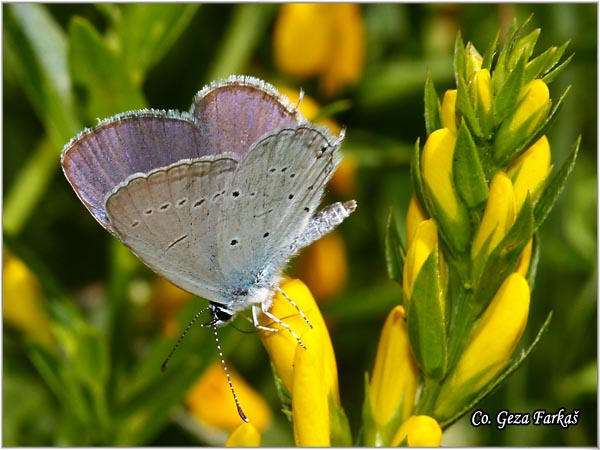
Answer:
(97, 160)
(169, 218)
(274, 191)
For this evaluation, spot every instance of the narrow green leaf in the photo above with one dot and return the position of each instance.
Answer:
(524, 47)
(415, 173)
(460, 57)
(426, 320)
(36, 47)
(394, 250)
(550, 76)
(555, 57)
(29, 187)
(554, 188)
(248, 26)
(147, 31)
(533, 261)
(432, 106)
(490, 52)
(469, 176)
(506, 100)
(465, 108)
(96, 66)
(339, 426)
(495, 384)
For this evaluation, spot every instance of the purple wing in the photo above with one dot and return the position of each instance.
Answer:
(97, 160)
(234, 114)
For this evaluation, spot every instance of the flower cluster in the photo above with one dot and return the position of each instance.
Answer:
(482, 188)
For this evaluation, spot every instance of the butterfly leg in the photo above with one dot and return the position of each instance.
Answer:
(295, 305)
(255, 312)
(283, 325)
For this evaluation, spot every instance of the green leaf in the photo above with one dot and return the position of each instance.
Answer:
(490, 52)
(554, 188)
(495, 384)
(506, 99)
(432, 106)
(468, 174)
(426, 320)
(339, 426)
(146, 32)
(502, 260)
(97, 67)
(249, 24)
(36, 47)
(533, 261)
(524, 47)
(460, 59)
(415, 173)
(394, 250)
(465, 108)
(549, 77)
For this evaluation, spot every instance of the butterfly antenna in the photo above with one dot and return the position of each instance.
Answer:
(293, 303)
(237, 402)
(187, 329)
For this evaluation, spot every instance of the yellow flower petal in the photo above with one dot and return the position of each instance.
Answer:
(346, 61)
(425, 241)
(498, 217)
(310, 394)
(436, 166)
(320, 39)
(414, 216)
(245, 435)
(483, 89)
(492, 344)
(419, 431)
(22, 305)
(535, 102)
(530, 170)
(395, 374)
(302, 39)
(449, 110)
(210, 400)
(525, 259)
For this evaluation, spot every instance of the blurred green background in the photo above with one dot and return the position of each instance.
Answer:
(65, 65)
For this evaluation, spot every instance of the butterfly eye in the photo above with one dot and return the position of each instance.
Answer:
(222, 314)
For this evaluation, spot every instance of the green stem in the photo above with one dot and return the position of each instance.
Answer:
(248, 24)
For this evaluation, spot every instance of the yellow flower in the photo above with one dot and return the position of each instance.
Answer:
(325, 40)
(530, 170)
(210, 402)
(419, 431)
(491, 345)
(310, 374)
(436, 165)
(414, 216)
(498, 217)
(245, 435)
(525, 259)
(535, 102)
(424, 242)
(323, 266)
(449, 110)
(482, 83)
(393, 385)
(23, 302)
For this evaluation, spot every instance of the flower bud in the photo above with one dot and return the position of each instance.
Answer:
(394, 380)
(419, 431)
(490, 347)
(414, 216)
(245, 435)
(498, 217)
(530, 170)
(424, 242)
(449, 110)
